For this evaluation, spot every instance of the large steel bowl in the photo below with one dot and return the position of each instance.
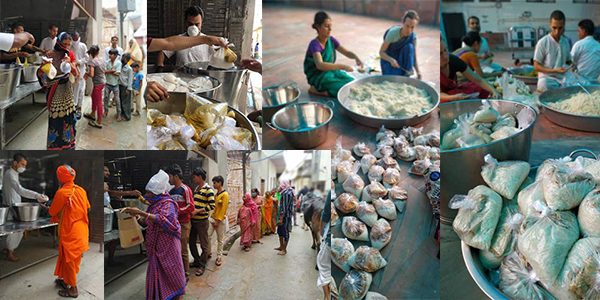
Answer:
(30, 73)
(176, 104)
(461, 168)
(519, 72)
(566, 119)
(479, 274)
(391, 123)
(276, 98)
(211, 93)
(26, 212)
(234, 89)
(108, 219)
(304, 125)
(3, 215)
(10, 77)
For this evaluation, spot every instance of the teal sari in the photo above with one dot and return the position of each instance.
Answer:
(329, 81)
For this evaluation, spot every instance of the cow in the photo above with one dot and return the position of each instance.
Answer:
(312, 209)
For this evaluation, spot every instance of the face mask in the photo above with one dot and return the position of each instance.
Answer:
(75, 43)
(253, 195)
(21, 170)
(193, 30)
(106, 199)
(152, 199)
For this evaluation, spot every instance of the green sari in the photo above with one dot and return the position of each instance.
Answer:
(329, 81)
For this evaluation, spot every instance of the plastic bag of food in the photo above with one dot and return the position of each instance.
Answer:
(334, 165)
(386, 141)
(381, 234)
(489, 259)
(155, 118)
(482, 131)
(420, 167)
(486, 113)
(586, 284)
(232, 138)
(354, 184)
(544, 168)
(528, 196)
(366, 162)
(478, 215)
(354, 229)
(374, 190)
(367, 259)
(355, 285)
(376, 173)
(175, 123)
(545, 240)
(470, 137)
(505, 237)
(344, 170)
(434, 153)
(385, 208)
(391, 177)
(156, 136)
(346, 203)
(366, 212)
(450, 136)
(574, 264)
(389, 162)
(375, 296)
(408, 154)
(171, 145)
(594, 170)
(421, 152)
(410, 133)
(517, 281)
(383, 133)
(340, 152)
(360, 149)
(434, 139)
(504, 132)
(506, 120)
(383, 150)
(564, 187)
(504, 177)
(399, 144)
(589, 214)
(203, 114)
(421, 140)
(399, 196)
(341, 250)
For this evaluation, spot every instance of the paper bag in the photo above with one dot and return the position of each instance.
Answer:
(130, 232)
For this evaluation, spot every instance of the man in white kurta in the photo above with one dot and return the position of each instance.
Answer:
(49, 41)
(484, 54)
(586, 52)
(81, 59)
(552, 55)
(12, 191)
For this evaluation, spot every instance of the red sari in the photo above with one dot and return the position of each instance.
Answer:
(450, 87)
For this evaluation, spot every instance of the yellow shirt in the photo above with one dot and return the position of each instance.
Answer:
(221, 201)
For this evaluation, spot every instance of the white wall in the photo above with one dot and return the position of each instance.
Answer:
(500, 20)
(263, 170)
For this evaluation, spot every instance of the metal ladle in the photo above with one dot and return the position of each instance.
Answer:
(583, 88)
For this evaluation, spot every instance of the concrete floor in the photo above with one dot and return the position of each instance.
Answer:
(258, 274)
(131, 135)
(37, 282)
(285, 48)
(30, 250)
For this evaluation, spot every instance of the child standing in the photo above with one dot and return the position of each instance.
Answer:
(138, 78)
(96, 71)
(125, 87)
(113, 70)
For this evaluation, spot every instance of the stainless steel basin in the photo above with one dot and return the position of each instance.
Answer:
(304, 125)
(277, 97)
(26, 212)
(108, 219)
(3, 215)
(30, 73)
(10, 76)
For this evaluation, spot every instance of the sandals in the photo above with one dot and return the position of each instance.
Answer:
(247, 249)
(135, 114)
(65, 293)
(89, 116)
(218, 262)
(192, 265)
(61, 283)
(94, 124)
(199, 272)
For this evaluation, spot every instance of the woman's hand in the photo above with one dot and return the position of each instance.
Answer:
(395, 64)
(419, 75)
(347, 68)
(359, 62)
(494, 94)
(461, 96)
(156, 92)
(561, 70)
(134, 211)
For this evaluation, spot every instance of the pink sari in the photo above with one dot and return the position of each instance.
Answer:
(244, 219)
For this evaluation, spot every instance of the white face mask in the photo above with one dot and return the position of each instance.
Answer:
(75, 43)
(193, 30)
(21, 170)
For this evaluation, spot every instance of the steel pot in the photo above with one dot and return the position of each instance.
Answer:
(234, 83)
(3, 215)
(211, 93)
(461, 168)
(108, 219)
(277, 97)
(26, 212)
(566, 119)
(30, 73)
(304, 125)
(10, 77)
(519, 72)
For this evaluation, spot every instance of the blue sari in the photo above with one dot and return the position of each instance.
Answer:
(403, 52)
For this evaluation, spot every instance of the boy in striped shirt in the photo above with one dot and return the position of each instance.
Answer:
(204, 202)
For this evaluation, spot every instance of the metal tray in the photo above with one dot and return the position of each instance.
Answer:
(389, 123)
(176, 104)
(517, 73)
(211, 93)
(565, 119)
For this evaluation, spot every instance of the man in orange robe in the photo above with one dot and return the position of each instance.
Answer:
(70, 208)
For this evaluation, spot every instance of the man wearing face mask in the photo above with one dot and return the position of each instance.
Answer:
(12, 191)
(81, 60)
(194, 16)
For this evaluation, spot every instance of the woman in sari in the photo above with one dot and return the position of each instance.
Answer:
(59, 96)
(247, 217)
(165, 277)
(399, 49)
(326, 77)
(257, 233)
(468, 54)
(275, 217)
(450, 65)
(268, 214)
(136, 52)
